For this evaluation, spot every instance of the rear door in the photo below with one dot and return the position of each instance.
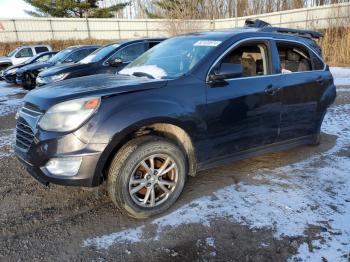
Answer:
(244, 112)
(303, 82)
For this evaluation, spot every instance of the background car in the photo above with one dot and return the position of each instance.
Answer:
(108, 59)
(21, 54)
(9, 74)
(26, 76)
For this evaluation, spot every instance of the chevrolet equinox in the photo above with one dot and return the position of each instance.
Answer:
(190, 103)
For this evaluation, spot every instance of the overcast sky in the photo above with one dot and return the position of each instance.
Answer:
(13, 8)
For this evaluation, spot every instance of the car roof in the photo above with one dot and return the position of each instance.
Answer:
(32, 46)
(127, 41)
(82, 46)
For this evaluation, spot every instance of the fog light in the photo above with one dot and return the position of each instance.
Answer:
(67, 166)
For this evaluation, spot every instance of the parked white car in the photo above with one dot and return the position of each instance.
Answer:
(21, 54)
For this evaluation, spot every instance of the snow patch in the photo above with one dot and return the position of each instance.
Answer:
(306, 195)
(341, 75)
(153, 70)
(10, 99)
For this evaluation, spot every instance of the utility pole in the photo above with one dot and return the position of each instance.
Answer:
(236, 13)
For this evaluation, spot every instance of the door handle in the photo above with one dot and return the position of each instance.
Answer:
(271, 89)
(320, 81)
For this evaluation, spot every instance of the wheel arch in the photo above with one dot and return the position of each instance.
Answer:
(167, 128)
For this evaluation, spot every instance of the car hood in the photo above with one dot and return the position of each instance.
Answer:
(5, 59)
(13, 67)
(63, 69)
(35, 66)
(95, 85)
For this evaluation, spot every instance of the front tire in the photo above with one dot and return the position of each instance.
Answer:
(146, 176)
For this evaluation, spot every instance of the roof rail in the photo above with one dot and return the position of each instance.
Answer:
(266, 27)
(299, 32)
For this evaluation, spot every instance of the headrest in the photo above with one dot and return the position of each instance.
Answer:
(292, 56)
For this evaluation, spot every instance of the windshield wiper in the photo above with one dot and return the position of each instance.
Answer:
(141, 74)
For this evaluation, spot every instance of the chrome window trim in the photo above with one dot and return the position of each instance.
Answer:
(262, 39)
(104, 63)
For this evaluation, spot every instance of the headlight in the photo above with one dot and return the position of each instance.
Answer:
(12, 71)
(67, 116)
(42, 69)
(55, 78)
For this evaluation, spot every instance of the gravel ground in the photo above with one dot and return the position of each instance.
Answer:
(293, 205)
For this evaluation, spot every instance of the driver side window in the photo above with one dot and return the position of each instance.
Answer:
(24, 52)
(252, 57)
(129, 53)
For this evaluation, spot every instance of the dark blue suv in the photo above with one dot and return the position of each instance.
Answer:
(190, 103)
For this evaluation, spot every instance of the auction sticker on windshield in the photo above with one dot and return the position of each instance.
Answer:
(207, 43)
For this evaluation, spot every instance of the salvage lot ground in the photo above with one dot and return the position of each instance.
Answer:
(293, 205)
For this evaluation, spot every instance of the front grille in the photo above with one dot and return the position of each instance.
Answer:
(31, 110)
(24, 135)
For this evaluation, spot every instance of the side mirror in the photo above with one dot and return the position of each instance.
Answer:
(226, 71)
(115, 62)
(68, 61)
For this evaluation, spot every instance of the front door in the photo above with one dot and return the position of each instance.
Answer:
(244, 112)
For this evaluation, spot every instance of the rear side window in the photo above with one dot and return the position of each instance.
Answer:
(252, 57)
(41, 49)
(152, 44)
(293, 57)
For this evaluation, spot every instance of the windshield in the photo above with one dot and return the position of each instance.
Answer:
(12, 52)
(99, 54)
(32, 59)
(60, 56)
(171, 58)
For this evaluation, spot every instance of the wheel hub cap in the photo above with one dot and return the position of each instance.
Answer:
(153, 180)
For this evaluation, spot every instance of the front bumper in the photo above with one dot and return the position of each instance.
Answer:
(10, 78)
(87, 175)
(35, 148)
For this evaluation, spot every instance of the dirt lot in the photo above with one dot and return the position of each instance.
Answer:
(293, 206)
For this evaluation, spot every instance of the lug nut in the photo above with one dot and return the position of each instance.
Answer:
(156, 172)
(148, 185)
(148, 177)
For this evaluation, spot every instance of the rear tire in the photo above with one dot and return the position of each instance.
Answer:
(146, 176)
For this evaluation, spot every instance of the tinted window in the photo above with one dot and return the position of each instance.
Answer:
(41, 49)
(252, 58)
(25, 52)
(129, 53)
(293, 57)
(152, 44)
(79, 55)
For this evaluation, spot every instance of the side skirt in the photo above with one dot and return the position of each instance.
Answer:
(253, 152)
